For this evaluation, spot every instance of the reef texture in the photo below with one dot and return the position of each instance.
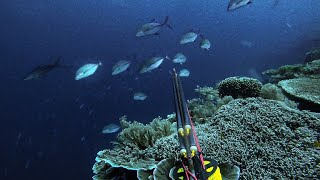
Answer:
(310, 70)
(239, 87)
(312, 55)
(306, 89)
(265, 138)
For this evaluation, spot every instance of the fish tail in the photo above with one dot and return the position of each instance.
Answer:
(100, 63)
(165, 23)
(57, 61)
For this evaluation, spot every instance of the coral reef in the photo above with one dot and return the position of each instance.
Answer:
(311, 70)
(239, 87)
(265, 138)
(209, 102)
(143, 136)
(208, 93)
(306, 90)
(257, 134)
(272, 91)
(312, 55)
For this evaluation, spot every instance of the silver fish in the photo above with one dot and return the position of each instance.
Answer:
(152, 28)
(151, 64)
(110, 128)
(120, 67)
(86, 70)
(139, 96)
(179, 58)
(235, 4)
(188, 37)
(184, 73)
(205, 44)
(41, 71)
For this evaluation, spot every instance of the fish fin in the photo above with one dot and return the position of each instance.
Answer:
(165, 23)
(58, 64)
(249, 2)
(170, 27)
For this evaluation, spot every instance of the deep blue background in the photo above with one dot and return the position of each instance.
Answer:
(45, 134)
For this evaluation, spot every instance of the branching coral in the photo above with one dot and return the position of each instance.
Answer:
(209, 102)
(142, 135)
(208, 93)
(239, 87)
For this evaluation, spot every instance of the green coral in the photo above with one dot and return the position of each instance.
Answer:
(239, 87)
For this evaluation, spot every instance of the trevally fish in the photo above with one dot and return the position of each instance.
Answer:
(86, 70)
(151, 64)
(179, 58)
(139, 96)
(184, 73)
(110, 128)
(152, 28)
(40, 71)
(235, 4)
(205, 44)
(120, 67)
(188, 37)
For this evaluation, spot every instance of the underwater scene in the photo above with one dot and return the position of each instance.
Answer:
(160, 90)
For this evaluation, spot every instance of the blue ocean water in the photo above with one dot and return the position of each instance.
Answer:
(51, 128)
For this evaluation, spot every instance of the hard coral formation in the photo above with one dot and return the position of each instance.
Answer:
(304, 89)
(133, 143)
(208, 93)
(143, 136)
(311, 70)
(312, 55)
(265, 138)
(272, 91)
(240, 87)
(209, 102)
